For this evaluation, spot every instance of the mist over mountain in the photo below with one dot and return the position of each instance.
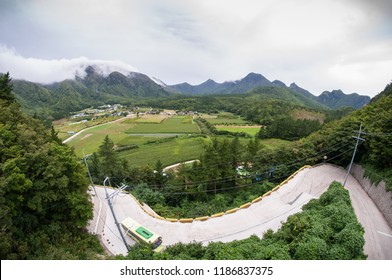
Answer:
(96, 85)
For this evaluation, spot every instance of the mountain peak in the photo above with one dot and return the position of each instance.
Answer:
(336, 93)
(209, 82)
(254, 77)
(102, 69)
(337, 98)
(278, 83)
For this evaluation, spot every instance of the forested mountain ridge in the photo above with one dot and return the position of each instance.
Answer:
(253, 81)
(336, 99)
(334, 140)
(57, 100)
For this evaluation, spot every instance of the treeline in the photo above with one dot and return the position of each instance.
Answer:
(208, 128)
(288, 128)
(220, 179)
(326, 229)
(273, 113)
(44, 205)
(334, 142)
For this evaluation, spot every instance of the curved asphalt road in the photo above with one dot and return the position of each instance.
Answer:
(267, 214)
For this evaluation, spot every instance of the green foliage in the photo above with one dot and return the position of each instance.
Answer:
(6, 88)
(337, 99)
(44, 201)
(110, 162)
(57, 100)
(289, 129)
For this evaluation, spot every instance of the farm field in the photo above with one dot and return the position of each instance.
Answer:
(141, 131)
(64, 126)
(178, 149)
(177, 124)
(224, 118)
(249, 129)
(149, 119)
(168, 138)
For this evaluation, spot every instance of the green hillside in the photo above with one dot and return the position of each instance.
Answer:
(57, 100)
(44, 205)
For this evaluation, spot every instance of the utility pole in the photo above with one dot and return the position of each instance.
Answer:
(358, 137)
(88, 171)
(109, 197)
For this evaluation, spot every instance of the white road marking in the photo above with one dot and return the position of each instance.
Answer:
(384, 234)
(99, 216)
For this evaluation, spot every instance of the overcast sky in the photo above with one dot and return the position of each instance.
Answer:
(318, 44)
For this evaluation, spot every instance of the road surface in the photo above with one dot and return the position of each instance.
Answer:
(269, 213)
(94, 126)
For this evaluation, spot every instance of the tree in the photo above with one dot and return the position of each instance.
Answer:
(110, 162)
(159, 176)
(43, 194)
(253, 147)
(235, 150)
(6, 88)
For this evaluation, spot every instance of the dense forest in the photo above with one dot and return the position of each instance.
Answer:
(44, 205)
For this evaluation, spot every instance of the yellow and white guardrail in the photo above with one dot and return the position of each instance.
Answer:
(205, 218)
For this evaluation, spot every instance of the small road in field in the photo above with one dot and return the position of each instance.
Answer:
(83, 130)
(173, 166)
(266, 214)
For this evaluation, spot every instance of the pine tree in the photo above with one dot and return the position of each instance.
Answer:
(110, 162)
(6, 88)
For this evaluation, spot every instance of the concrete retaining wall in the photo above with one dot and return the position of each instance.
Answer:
(377, 193)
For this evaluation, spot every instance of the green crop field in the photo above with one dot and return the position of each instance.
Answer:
(131, 132)
(218, 120)
(165, 138)
(66, 125)
(177, 124)
(148, 119)
(251, 130)
(178, 150)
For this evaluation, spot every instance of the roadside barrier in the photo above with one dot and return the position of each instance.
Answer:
(218, 215)
(232, 211)
(205, 218)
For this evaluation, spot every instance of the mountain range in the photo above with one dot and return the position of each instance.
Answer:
(334, 99)
(94, 88)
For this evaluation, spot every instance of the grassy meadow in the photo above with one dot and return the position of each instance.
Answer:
(249, 129)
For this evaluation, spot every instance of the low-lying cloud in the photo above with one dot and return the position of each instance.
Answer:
(55, 70)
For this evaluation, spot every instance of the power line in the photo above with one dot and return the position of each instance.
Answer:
(358, 137)
(237, 186)
(378, 134)
(323, 152)
(114, 215)
(287, 165)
